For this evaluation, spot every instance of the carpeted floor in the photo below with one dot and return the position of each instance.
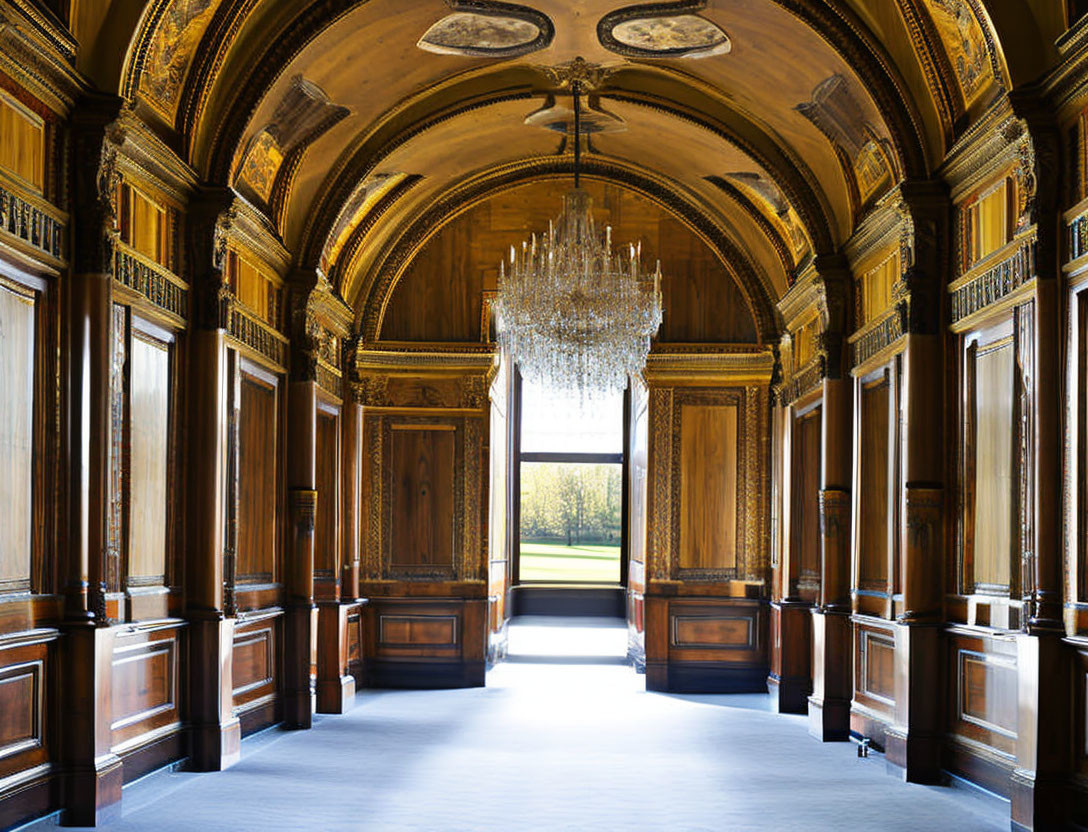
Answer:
(564, 737)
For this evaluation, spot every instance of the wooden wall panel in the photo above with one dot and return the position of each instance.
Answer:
(17, 312)
(805, 503)
(146, 699)
(22, 142)
(708, 490)
(326, 528)
(255, 663)
(25, 681)
(982, 707)
(422, 460)
(257, 481)
(441, 294)
(149, 442)
(873, 705)
(873, 491)
(993, 465)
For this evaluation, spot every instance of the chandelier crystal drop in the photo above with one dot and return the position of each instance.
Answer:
(574, 315)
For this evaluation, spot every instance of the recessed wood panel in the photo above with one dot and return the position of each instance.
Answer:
(22, 142)
(988, 692)
(878, 667)
(805, 496)
(148, 446)
(708, 494)
(143, 682)
(418, 630)
(328, 494)
(253, 660)
(873, 500)
(256, 481)
(16, 437)
(422, 461)
(20, 708)
(716, 632)
(143, 224)
(993, 469)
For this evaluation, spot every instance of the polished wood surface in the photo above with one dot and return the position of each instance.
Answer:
(257, 478)
(708, 496)
(805, 508)
(149, 445)
(873, 492)
(422, 463)
(17, 313)
(326, 523)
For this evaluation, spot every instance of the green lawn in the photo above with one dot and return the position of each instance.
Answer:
(557, 563)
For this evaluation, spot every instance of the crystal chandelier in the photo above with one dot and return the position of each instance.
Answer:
(573, 315)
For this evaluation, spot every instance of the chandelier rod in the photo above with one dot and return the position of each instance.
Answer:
(577, 132)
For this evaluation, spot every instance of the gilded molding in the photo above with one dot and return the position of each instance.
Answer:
(980, 289)
(39, 55)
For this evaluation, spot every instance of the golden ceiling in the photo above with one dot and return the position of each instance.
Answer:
(768, 126)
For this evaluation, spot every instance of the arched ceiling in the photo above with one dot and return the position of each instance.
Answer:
(348, 120)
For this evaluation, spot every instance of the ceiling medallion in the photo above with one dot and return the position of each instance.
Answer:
(572, 314)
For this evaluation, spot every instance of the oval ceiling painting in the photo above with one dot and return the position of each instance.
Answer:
(486, 35)
(682, 35)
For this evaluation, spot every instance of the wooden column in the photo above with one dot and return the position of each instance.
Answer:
(302, 504)
(91, 775)
(335, 686)
(791, 664)
(832, 646)
(216, 731)
(913, 743)
(1039, 782)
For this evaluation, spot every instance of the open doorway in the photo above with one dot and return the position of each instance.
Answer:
(570, 482)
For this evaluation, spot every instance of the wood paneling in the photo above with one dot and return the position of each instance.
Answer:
(873, 491)
(326, 537)
(422, 460)
(257, 481)
(702, 303)
(441, 293)
(993, 464)
(715, 632)
(878, 667)
(708, 494)
(873, 705)
(145, 687)
(25, 680)
(22, 142)
(149, 381)
(256, 659)
(144, 224)
(805, 503)
(17, 321)
(418, 630)
(20, 707)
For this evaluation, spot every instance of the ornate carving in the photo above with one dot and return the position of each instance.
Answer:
(97, 141)
(257, 335)
(579, 71)
(886, 332)
(802, 382)
(996, 282)
(151, 280)
(33, 223)
(660, 508)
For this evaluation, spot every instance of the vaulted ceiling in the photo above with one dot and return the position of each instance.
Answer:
(768, 127)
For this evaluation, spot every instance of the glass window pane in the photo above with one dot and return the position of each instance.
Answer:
(570, 522)
(554, 421)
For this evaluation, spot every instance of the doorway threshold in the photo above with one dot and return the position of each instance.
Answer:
(589, 600)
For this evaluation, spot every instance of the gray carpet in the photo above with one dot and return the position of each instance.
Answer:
(548, 745)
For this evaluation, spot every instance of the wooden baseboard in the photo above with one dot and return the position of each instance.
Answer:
(706, 677)
(388, 673)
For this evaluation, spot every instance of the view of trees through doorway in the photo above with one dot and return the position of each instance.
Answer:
(571, 484)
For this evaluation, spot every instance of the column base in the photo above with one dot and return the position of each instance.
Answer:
(336, 696)
(913, 757)
(298, 699)
(791, 693)
(829, 719)
(93, 795)
(216, 734)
